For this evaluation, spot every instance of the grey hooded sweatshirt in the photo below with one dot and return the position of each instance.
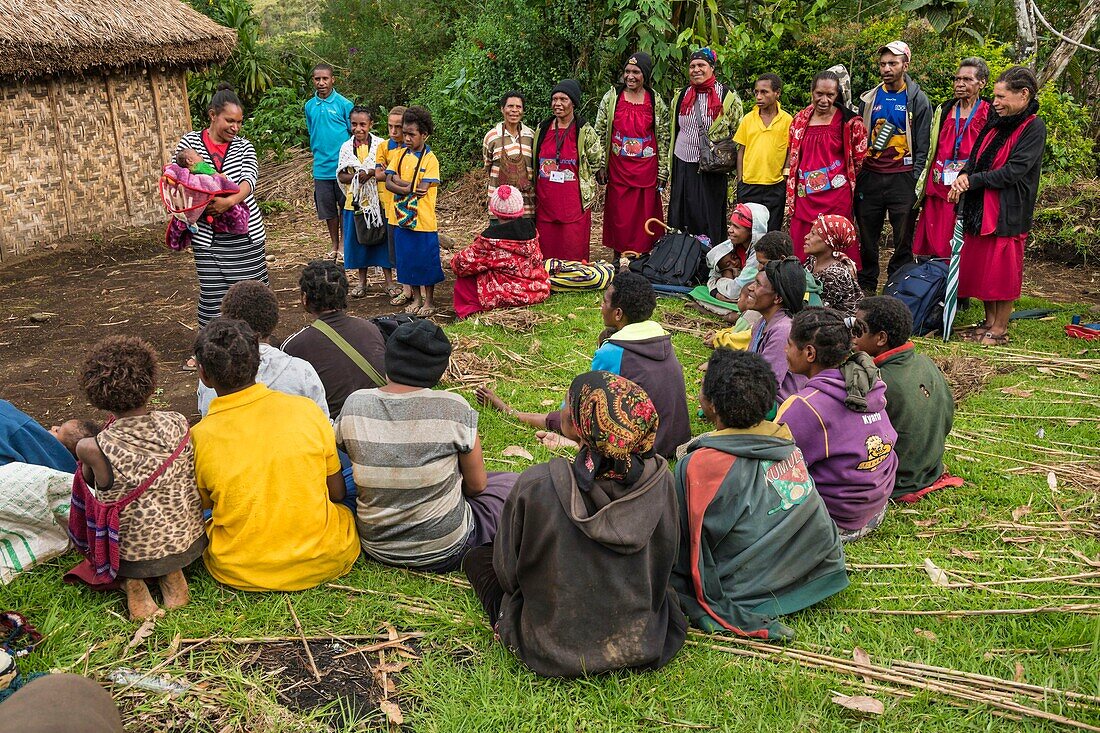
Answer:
(586, 587)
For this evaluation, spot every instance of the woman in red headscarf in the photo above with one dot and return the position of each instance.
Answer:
(829, 238)
(704, 110)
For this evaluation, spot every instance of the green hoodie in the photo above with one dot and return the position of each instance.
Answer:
(756, 540)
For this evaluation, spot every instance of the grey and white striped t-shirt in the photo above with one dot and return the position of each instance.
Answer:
(404, 451)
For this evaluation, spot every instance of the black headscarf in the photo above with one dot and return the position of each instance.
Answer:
(788, 279)
(972, 208)
(642, 60)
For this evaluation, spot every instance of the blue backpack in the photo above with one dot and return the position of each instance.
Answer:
(922, 286)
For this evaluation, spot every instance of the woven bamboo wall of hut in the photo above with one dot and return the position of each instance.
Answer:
(93, 99)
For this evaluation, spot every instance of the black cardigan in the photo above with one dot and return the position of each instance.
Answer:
(1017, 180)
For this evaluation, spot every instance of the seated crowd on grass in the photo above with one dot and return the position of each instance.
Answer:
(302, 462)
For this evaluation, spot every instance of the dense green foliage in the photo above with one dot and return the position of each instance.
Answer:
(457, 58)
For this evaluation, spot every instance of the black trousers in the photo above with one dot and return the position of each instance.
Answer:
(773, 197)
(697, 203)
(478, 566)
(878, 196)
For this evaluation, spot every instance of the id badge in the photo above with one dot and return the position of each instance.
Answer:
(951, 171)
(557, 176)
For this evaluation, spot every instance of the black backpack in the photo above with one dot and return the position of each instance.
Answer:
(922, 286)
(676, 259)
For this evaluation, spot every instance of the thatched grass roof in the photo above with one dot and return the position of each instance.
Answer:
(54, 36)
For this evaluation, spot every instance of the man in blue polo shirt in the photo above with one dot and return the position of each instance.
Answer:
(328, 118)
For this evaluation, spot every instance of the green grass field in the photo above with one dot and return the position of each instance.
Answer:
(1001, 539)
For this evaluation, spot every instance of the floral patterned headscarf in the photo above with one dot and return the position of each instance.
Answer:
(838, 232)
(617, 424)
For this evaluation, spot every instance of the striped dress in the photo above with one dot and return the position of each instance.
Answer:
(223, 259)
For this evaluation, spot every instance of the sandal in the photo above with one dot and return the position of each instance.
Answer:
(990, 339)
(393, 291)
(426, 311)
(358, 291)
(401, 298)
(191, 365)
(412, 309)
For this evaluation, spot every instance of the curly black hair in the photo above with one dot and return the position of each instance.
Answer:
(229, 352)
(419, 116)
(634, 294)
(119, 374)
(325, 285)
(362, 109)
(254, 303)
(826, 330)
(889, 315)
(775, 245)
(741, 386)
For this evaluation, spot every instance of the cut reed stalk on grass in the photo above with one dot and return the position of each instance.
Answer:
(1086, 609)
(302, 636)
(973, 692)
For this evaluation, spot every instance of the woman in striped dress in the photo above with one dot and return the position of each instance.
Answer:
(222, 259)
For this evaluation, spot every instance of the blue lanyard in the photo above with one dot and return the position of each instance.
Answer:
(960, 133)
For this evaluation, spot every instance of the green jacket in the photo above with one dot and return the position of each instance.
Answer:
(589, 157)
(605, 115)
(921, 409)
(756, 540)
(723, 127)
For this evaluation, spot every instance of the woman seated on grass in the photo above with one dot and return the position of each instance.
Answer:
(423, 496)
(577, 581)
(756, 540)
(266, 463)
(635, 347)
(839, 422)
(776, 294)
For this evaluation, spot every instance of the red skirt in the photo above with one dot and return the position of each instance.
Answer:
(566, 241)
(934, 228)
(626, 210)
(991, 268)
(465, 297)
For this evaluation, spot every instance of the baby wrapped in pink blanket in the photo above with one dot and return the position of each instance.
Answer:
(187, 186)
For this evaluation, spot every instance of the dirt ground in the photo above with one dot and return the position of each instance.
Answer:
(54, 306)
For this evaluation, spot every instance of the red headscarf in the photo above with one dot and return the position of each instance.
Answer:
(837, 231)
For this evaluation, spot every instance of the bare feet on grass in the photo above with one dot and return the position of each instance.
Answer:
(554, 441)
(488, 398)
(138, 599)
(173, 590)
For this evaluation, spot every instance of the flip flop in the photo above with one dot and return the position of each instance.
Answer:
(1001, 340)
(393, 291)
(358, 291)
(190, 365)
(425, 311)
(401, 298)
(412, 309)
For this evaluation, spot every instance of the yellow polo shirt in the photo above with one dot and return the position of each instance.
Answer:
(261, 460)
(382, 161)
(765, 147)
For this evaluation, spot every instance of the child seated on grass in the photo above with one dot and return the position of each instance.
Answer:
(733, 263)
(839, 422)
(918, 398)
(771, 246)
(266, 463)
(577, 581)
(756, 540)
(424, 498)
(142, 451)
(635, 347)
(414, 181)
(826, 241)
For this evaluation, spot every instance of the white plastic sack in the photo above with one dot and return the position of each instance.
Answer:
(34, 516)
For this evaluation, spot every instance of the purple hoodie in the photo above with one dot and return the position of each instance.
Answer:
(772, 345)
(850, 454)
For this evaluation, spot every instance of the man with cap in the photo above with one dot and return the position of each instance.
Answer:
(569, 154)
(898, 118)
(704, 110)
(632, 124)
(424, 497)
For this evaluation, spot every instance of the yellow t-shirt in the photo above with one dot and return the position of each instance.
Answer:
(382, 160)
(261, 459)
(413, 212)
(765, 147)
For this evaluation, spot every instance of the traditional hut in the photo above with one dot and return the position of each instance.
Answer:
(93, 98)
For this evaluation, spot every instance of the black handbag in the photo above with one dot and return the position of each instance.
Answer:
(367, 235)
(716, 157)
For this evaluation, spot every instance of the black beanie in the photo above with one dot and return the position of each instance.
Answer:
(642, 60)
(788, 279)
(570, 88)
(417, 354)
